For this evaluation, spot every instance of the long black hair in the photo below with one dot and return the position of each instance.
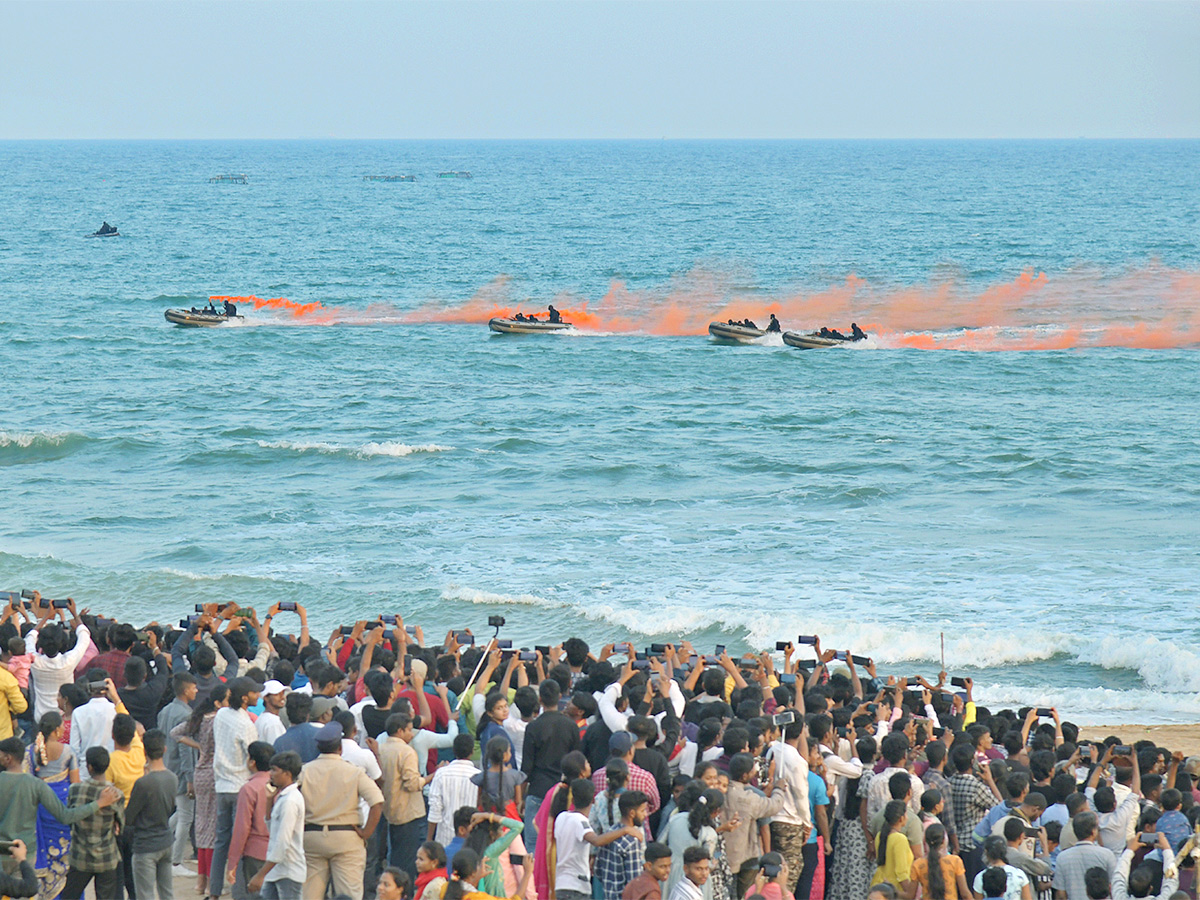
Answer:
(579, 793)
(207, 705)
(462, 867)
(935, 837)
(892, 814)
(704, 810)
(616, 774)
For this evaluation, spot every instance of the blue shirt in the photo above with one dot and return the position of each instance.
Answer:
(994, 815)
(817, 796)
(453, 847)
(302, 739)
(1174, 825)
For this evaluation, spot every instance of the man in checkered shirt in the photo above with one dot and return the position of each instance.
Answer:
(620, 746)
(620, 862)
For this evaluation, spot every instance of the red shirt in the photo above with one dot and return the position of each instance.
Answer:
(644, 887)
(441, 715)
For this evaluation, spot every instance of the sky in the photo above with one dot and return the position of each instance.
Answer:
(605, 70)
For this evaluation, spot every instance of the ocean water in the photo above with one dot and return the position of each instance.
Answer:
(1011, 460)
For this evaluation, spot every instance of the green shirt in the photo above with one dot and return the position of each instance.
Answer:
(20, 797)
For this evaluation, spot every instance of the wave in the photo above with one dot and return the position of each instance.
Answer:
(359, 451)
(487, 598)
(17, 447)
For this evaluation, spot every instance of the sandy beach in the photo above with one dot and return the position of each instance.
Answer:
(1175, 737)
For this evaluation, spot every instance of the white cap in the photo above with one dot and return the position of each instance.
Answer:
(273, 687)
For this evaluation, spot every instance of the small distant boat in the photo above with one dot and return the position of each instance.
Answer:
(509, 325)
(105, 230)
(814, 340)
(740, 334)
(235, 179)
(389, 178)
(454, 174)
(189, 319)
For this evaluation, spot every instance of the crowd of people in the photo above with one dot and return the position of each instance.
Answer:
(378, 763)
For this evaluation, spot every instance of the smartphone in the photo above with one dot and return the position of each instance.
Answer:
(861, 660)
(787, 678)
(6, 848)
(843, 732)
(783, 718)
(872, 708)
(712, 660)
(287, 606)
(62, 604)
(44, 603)
(806, 639)
(1144, 838)
(463, 638)
(97, 688)
(346, 629)
(184, 624)
(1085, 754)
(408, 629)
(958, 682)
(1122, 750)
(142, 636)
(199, 607)
(1030, 831)
(782, 645)
(640, 657)
(641, 664)
(244, 613)
(545, 651)
(771, 871)
(26, 594)
(387, 619)
(720, 650)
(840, 655)
(530, 656)
(658, 648)
(505, 644)
(1045, 712)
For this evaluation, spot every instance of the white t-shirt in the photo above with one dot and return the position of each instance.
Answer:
(572, 872)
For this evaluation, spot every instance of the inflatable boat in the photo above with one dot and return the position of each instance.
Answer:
(813, 340)
(189, 319)
(741, 334)
(509, 325)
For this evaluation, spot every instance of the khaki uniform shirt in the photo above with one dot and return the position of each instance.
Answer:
(331, 787)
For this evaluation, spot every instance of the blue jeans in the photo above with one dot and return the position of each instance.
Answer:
(405, 840)
(226, 811)
(529, 835)
(283, 889)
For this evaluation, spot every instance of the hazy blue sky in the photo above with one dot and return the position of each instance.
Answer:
(599, 70)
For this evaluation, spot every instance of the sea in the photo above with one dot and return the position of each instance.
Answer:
(1003, 479)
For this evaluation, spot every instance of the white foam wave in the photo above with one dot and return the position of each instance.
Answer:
(487, 598)
(360, 451)
(1096, 706)
(27, 439)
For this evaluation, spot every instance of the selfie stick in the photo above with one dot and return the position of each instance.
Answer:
(478, 666)
(943, 651)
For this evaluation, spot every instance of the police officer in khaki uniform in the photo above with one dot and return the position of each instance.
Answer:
(334, 838)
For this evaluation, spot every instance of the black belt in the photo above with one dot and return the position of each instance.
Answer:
(329, 827)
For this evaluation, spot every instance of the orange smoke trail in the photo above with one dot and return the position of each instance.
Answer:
(297, 309)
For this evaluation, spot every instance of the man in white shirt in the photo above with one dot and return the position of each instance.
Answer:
(894, 748)
(53, 664)
(268, 724)
(523, 710)
(233, 733)
(696, 863)
(450, 789)
(574, 838)
(91, 724)
(837, 770)
(282, 875)
(792, 826)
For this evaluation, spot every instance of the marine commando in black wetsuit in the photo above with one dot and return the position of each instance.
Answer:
(555, 317)
(773, 327)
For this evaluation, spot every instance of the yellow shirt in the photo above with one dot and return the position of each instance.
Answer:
(12, 702)
(127, 766)
(897, 867)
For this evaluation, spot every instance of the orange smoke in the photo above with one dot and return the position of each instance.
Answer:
(297, 309)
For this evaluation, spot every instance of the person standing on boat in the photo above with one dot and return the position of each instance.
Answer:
(856, 333)
(773, 326)
(230, 310)
(555, 317)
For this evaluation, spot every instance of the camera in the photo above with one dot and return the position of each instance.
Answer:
(62, 604)
(287, 606)
(1122, 750)
(464, 638)
(840, 655)
(861, 660)
(658, 648)
(26, 594)
(527, 656)
(782, 645)
(641, 664)
(783, 718)
(712, 660)
(495, 621)
(409, 629)
(1044, 712)
(346, 629)
(787, 678)
(244, 613)
(958, 682)
(720, 650)
(806, 639)
(97, 688)
(387, 619)
(545, 651)
(505, 644)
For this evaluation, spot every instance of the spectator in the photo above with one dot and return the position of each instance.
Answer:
(452, 788)
(283, 873)
(94, 851)
(248, 846)
(148, 820)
